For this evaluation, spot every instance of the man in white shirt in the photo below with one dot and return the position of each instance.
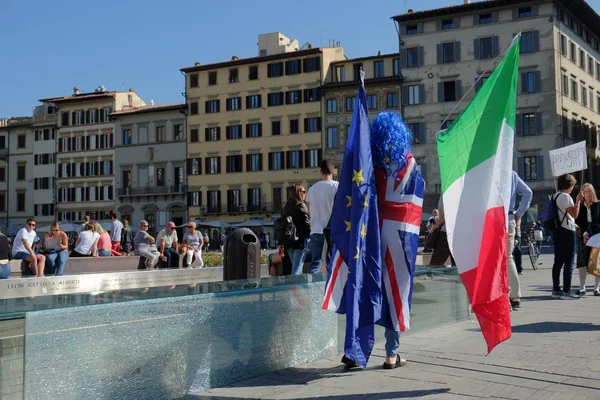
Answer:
(115, 234)
(518, 187)
(22, 248)
(169, 246)
(320, 200)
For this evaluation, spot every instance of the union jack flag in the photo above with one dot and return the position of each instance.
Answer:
(400, 206)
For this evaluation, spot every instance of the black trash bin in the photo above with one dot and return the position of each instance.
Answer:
(241, 255)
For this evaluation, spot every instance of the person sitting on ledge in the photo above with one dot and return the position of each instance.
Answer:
(87, 243)
(194, 242)
(23, 250)
(145, 246)
(167, 241)
(104, 242)
(56, 246)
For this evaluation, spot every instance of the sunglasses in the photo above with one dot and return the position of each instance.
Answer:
(30, 224)
(189, 226)
(144, 226)
(54, 230)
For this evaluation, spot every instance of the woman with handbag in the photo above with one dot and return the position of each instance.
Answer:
(296, 208)
(588, 225)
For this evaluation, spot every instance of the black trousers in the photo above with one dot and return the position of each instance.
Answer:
(441, 252)
(564, 255)
(517, 256)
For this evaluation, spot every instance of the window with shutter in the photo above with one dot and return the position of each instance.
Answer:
(194, 135)
(194, 80)
(275, 128)
(294, 126)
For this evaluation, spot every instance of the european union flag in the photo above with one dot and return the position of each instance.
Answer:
(355, 232)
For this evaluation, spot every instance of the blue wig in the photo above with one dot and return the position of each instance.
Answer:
(390, 141)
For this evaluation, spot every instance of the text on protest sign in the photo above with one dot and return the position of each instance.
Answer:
(568, 159)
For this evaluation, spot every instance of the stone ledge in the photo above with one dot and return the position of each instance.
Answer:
(86, 265)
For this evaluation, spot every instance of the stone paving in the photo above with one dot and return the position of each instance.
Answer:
(554, 354)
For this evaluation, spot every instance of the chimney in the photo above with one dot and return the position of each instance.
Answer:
(410, 11)
(75, 91)
(467, 1)
(197, 64)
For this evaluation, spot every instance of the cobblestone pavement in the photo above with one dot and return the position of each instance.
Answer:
(554, 354)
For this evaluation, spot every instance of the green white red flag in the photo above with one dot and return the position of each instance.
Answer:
(475, 156)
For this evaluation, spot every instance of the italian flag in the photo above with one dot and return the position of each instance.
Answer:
(475, 156)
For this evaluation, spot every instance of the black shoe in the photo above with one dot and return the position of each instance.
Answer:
(579, 292)
(515, 303)
(596, 292)
(349, 363)
(398, 363)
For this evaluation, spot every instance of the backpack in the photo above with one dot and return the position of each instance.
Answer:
(550, 215)
(285, 230)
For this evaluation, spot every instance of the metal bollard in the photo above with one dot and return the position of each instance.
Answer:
(241, 255)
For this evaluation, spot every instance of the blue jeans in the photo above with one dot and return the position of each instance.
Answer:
(57, 261)
(564, 255)
(4, 271)
(538, 245)
(172, 257)
(104, 253)
(21, 255)
(317, 241)
(297, 256)
(392, 342)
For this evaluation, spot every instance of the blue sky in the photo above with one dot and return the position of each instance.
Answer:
(47, 47)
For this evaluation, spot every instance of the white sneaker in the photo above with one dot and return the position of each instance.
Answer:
(569, 296)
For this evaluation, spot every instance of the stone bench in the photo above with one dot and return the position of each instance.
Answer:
(87, 265)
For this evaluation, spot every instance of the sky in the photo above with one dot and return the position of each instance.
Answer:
(48, 47)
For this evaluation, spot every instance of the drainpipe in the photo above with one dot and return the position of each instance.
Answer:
(55, 183)
(400, 77)
(8, 182)
(185, 134)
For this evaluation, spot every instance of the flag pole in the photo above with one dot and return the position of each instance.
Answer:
(480, 77)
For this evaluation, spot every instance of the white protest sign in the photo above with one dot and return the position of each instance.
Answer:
(568, 159)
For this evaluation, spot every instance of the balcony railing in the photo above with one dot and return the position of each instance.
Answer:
(44, 118)
(236, 208)
(152, 190)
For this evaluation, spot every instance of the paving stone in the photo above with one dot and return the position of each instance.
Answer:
(553, 354)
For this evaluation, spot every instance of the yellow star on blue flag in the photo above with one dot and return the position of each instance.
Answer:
(358, 177)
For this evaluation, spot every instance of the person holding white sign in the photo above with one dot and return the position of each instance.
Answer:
(564, 242)
(588, 223)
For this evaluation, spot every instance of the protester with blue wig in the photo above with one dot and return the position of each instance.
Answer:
(399, 191)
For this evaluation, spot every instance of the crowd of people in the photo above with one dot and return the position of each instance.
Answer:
(310, 214)
(577, 218)
(92, 240)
